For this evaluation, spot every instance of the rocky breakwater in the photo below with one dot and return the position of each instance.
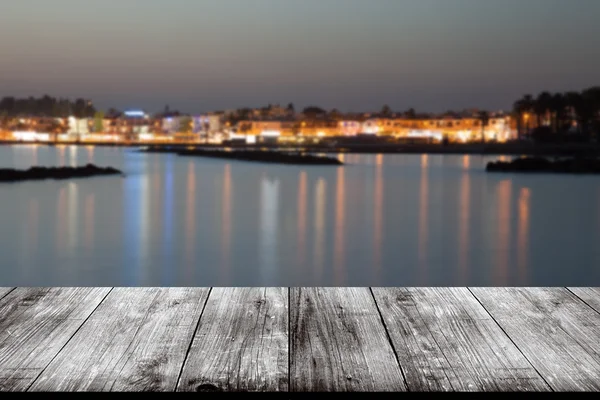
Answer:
(42, 173)
(540, 164)
(264, 156)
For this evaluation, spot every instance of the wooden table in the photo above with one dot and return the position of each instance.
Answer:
(299, 339)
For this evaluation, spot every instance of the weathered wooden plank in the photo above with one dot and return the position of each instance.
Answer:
(35, 323)
(338, 342)
(554, 329)
(5, 290)
(241, 343)
(590, 295)
(445, 340)
(136, 340)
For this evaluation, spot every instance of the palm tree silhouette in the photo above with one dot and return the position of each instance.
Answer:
(484, 117)
(591, 110)
(557, 107)
(541, 106)
(562, 110)
(574, 102)
(523, 108)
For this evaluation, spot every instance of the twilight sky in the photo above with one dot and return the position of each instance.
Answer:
(201, 55)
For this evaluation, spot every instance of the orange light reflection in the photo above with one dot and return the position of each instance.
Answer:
(378, 216)
(301, 248)
(338, 246)
(423, 217)
(226, 224)
(463, 227)
(319, 249)
(190, 219)
(523, 233)
(504, 193)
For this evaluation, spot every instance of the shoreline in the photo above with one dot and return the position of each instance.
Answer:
(518, 149)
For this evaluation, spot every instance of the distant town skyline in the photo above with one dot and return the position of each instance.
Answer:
(353, 55)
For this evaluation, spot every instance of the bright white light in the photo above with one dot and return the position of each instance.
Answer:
(250, 139)
(43, 137)
(464, 136)
(425, 134)
(134, 113)
(320, 134)
(25, 136)
(146, 136)
(370, 127)
(271, 133)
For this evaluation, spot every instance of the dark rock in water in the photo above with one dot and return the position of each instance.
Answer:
(264, 156)
(41, 173)
(539, 164)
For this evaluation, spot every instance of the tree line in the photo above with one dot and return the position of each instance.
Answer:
(46, 106)
(555, 114)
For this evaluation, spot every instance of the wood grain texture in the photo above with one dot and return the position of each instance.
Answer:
(241, 343)
(136, 340)
(554, 329)
(590, 295)
(5, 290)
(445, 340)
(35, 324)
(338, 342)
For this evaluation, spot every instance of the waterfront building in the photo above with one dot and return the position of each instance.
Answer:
(78, 127)
(170, 124)
(350, 127)
(135, 124)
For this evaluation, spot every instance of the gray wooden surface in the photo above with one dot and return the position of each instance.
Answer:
(589, 295)
(338, 342)
(445, 340)
(35, 324)
(241, 343)
(555, 330)
(4, 291)
(300, 339)
(135, 341)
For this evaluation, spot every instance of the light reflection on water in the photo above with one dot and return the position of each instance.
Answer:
(190, 220)
(391, 220)
(226, 199)
(504, 210)
(464, 220)
(378, 208)
(523, 233)
(338, 245)
(319, 229)
(302, 205)
(423, 219)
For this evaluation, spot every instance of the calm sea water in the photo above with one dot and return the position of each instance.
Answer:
(380, 220)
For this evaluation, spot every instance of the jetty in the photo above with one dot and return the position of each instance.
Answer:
(65, 172)
(278, 157)
(257, 155)
(540, 164)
